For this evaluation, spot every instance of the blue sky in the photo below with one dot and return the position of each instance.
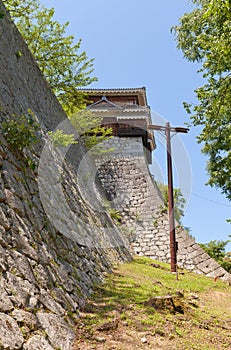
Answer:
(133, 47)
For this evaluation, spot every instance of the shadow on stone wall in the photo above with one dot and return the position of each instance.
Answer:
(48, 265)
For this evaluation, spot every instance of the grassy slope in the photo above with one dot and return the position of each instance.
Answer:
(123, 315)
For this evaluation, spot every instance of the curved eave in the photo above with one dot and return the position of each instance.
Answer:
(120, 110)
(141, 92)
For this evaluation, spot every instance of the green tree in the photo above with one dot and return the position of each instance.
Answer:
(64, 66)
(60, 139)
(89, 128)
(215, 249)
(204, 36)
(179, 201)
(58, 57)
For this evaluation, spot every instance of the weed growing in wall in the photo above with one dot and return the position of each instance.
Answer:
(20, 131)
(115, 215)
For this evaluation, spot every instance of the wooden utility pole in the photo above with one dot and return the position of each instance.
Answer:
(172, 234)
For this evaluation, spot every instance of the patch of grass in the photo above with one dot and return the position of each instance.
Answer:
(200, 320)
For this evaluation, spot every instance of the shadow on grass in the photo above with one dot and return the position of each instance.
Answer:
(124, 291)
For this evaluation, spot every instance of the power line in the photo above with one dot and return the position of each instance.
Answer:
(210, 200)
(197, 195)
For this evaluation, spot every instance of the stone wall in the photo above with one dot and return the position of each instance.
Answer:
(45, 275)
(22, 84)
(125, 175)
(55, 243)
(56, 238)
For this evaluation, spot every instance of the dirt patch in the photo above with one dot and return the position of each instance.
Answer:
(123, 338)
(220, 301)
(169, 332)
(144, 308)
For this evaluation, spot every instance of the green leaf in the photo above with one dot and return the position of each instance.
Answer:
(58, 55)
(204, 36)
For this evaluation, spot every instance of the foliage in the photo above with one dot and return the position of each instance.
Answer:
(64, 66)
(226, 264)
(89, 128)
(216, 249)
(2, 14)
(115, 215)
(179, 201)
(204, 36)
(58, 57)
(95, 136)
(20, 131)
(61, 139)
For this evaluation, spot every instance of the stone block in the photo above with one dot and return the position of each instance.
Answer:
(5, 302)
(186, 243)
(3, 220)
(14, 202)
(21, 266)
(35, 341)
(205, 269)
(25, 317)
(192, 267)
(193, 254)
(11, 337)
(148, 252)
(19, 289)
(218, 272)
(49, 303)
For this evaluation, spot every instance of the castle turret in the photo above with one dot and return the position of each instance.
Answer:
(131, 190)
(125, 111)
